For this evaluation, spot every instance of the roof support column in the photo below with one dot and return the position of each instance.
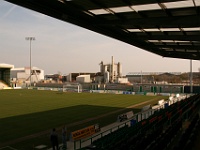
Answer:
(191, 88)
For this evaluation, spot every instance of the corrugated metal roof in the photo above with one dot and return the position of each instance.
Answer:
(151, 73)
(169, 28)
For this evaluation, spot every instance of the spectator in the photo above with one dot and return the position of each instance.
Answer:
(64, 137)
(54, 139)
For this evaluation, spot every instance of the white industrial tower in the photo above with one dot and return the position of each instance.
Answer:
(111, 71)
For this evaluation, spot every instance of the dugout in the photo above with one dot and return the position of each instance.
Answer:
(5, 73)
(195, 89)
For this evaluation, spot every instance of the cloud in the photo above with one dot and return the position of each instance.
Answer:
(8, 12)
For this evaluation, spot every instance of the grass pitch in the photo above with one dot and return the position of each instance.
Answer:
(26, 112)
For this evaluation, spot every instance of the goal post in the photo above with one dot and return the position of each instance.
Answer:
(72, 87)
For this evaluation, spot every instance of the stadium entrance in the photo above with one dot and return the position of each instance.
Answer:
(5, 75)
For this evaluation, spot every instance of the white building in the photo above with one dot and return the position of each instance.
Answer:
(122, 80)
(21, 76)
(83, 79)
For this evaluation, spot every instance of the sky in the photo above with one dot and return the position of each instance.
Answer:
(61, 47)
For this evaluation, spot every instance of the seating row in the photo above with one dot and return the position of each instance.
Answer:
(157, 131)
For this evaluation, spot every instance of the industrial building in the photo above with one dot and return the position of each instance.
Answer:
(83, 79)
(151, 77)
(111, 71)
(21, 77)
(53, 78)
(72, 77)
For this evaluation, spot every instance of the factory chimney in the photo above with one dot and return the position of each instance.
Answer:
(112, 77)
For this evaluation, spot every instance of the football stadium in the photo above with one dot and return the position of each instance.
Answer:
(29, 115)
(72, 117)
(95, 120)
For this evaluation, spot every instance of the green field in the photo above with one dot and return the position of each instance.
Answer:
(32, 112)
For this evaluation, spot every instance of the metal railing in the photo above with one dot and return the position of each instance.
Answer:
(138, 117)
(78, 144)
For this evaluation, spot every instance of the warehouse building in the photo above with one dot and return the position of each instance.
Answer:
(83, 79)
(21, 77)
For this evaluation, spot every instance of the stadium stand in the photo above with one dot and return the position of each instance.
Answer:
(3, 85)
(175, 127)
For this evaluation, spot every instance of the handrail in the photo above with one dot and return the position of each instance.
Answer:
(111, 129)
(91, 138)
(136, 116)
